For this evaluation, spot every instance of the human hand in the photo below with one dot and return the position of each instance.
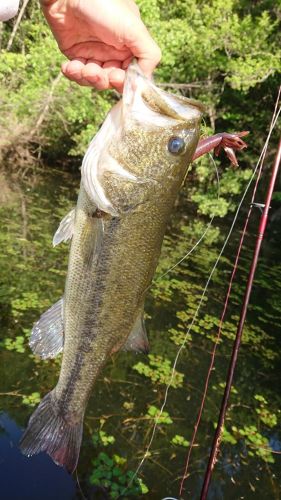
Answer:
(100, 38)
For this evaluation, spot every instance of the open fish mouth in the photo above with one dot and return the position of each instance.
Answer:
(145, 102)
(143, 107)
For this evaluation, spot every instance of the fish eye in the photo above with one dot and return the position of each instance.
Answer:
(176, 145)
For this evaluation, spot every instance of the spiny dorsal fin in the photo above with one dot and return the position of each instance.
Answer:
(46, 338)
(65, 229)
(137, 340)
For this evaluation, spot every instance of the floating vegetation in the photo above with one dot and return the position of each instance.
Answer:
(31, 400)
(101, 438)
(163, 418)
(110, 473)
(180, 441)
(160, 371)
(18, 344)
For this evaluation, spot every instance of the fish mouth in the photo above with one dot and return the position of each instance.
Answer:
(141, 94)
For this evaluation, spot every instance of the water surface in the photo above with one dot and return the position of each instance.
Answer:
(132, 386)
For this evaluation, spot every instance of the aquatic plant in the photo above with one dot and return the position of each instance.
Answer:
(16, 344)
(101, 438)
(109, 472)
(124, 395)
(154, 412)
(159, 371)
(180, 441)
(32, 400)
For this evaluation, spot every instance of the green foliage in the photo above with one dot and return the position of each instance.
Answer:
(221, 386)
(276, 196)
(29, 78)
(14, 345)
(128, 405)
(258, 444)
(101, 438)
(160, 371)
(231, 184)
(250, 433)
(267, 417)
(110, 473)
(232, 50)
(180, 441)
(29, 300)
(31, 400)
(179, 336)
(227, 437)
(154, 412)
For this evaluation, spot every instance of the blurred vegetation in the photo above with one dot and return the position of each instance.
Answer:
(227, 52)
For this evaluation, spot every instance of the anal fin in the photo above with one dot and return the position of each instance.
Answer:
(137, 340)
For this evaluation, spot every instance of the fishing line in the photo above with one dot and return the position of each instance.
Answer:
(146, 453)
(157, 418)
(204, 233)
(259, 166)
(80, 489)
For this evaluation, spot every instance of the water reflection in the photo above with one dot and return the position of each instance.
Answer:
(29, 479)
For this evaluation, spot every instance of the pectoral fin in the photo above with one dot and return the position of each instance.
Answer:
(137, 340)
(46, 338)
(65, 229)
(92, 241)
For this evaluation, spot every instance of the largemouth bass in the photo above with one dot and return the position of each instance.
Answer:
(131, 175)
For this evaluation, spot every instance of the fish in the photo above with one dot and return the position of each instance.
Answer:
(131, 175)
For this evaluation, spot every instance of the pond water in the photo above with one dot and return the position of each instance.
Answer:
(121, 412)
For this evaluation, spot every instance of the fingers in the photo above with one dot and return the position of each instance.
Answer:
(97, 50)
(95, 57)
(93, 73)
(116, 75)
(73, 71)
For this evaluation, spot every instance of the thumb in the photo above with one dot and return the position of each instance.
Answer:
(144, 48)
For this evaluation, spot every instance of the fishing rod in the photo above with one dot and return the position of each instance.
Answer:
(261, 231)
(257, 170)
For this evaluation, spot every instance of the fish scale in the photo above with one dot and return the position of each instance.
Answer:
(131, 175)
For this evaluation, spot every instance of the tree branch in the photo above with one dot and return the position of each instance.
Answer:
(16, 25)
(46, 106)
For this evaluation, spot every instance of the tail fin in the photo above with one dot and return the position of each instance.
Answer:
(47, 431)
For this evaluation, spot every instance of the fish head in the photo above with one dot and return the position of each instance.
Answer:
(162, 129)
(144, 146)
